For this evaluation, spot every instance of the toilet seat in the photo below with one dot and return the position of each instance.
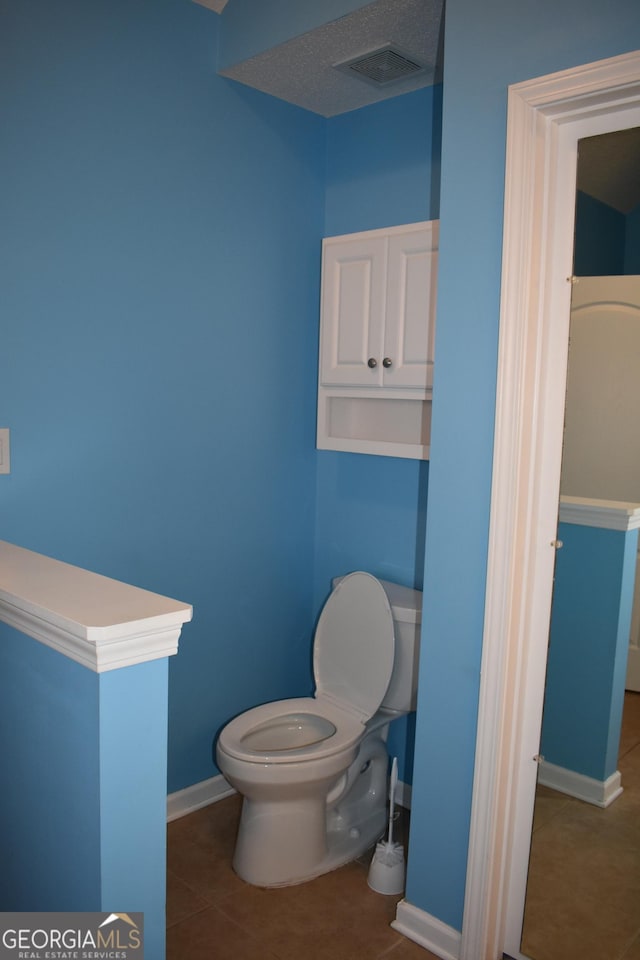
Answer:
(353, 659)
(241, 738)
(354, 646)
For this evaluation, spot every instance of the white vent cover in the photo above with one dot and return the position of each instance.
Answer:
(382, 66)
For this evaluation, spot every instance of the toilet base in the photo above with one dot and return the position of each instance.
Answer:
(282, 844)
(342, 847)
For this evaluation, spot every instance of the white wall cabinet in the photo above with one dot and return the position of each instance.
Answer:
(376, 341)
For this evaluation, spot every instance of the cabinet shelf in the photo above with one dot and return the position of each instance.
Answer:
(385, 425)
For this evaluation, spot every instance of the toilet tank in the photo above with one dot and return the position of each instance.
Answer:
(406, 606)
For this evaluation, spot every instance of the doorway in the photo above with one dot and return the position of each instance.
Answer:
(546, 118)
(584, 865)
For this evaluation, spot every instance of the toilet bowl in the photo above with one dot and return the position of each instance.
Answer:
(313, 770)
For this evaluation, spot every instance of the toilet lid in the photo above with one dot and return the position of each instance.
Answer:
(354, 645)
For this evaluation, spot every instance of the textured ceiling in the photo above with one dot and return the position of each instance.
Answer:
(303, 70)
(609, 168)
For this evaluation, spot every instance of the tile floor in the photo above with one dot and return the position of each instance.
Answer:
(583, 901)
(583, 897)
(211, 913)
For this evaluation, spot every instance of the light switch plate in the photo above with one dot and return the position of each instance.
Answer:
(5, 458)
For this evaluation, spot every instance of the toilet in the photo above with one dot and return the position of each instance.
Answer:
(313, 770)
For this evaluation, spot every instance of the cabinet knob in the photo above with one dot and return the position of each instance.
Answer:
(372, 362)
(387, 362)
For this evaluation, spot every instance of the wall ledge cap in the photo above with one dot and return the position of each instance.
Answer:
(101, 623)
(609, 514)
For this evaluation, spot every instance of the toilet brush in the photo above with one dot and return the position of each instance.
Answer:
(386, 873)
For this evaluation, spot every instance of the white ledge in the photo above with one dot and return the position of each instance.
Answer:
(609, 514)
(101, 623)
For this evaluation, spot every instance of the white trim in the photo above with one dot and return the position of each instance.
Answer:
(201, 794)
(598, 792)
(198, 795)
(426, 930)
(402, 795)
(397, 230)
(100, 623)
(546, 117)
(606, 514)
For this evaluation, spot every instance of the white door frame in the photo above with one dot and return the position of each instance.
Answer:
(546, 118)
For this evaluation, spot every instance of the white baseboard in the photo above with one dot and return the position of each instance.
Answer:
(198, 795)
(428, 931)
(599, 792)
(402, 795)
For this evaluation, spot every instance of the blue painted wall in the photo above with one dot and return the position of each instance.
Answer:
(632, 242)
(370, 510)
(607, 242)
(600, 230)
(383, 168)
(159, 261)
(588, 648)
(82, 785)
(161, 280)
(133, 810)
(140, 194)
(49, 779)
(487, 47)
(383, 163)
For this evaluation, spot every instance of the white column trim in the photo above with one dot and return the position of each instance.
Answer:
(100, 623)
(546, 117)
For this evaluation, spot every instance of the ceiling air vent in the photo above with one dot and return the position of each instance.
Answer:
(382, 66)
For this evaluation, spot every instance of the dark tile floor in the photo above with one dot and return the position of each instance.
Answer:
(583, 900)
(583, 895)
(211, 913)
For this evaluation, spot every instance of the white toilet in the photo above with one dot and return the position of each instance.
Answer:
(313, 770)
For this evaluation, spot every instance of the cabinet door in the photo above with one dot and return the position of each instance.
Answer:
(410, 313)
(353, 302)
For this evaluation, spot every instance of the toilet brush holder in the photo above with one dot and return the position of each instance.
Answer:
(386, 873)
(387, 870)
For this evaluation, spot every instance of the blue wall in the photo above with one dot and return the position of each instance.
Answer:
(370, 510)
(599, 238)
(632, 242)
(161, 267)
(158, 223)
(588, 649)
(383, 163)
(48, 737)
(82, 785)
(487, 47)
(133, 810)
(159, 263)
(607, 242)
